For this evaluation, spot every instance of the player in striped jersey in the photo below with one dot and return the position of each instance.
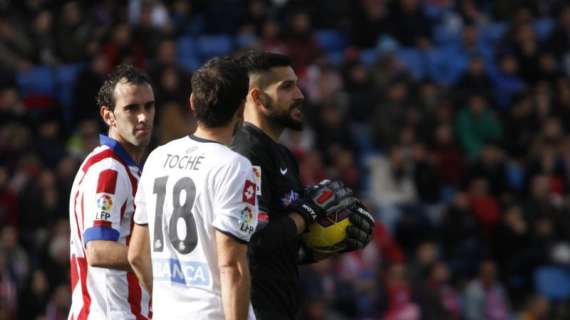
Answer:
(101, 204)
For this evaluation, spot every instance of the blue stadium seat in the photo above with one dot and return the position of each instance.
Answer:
(187, 53)
(543, 28)
(336, 58)
(37, 81)
(493, 32)
(186, 47)
(330, 40)
(445, 65)
(245, 40)
(368, 57)
(214, 45)
(65, 76)
(443, 35)
(553, 282)
(413, 60)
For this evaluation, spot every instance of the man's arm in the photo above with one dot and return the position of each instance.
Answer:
(139, 255)
(107, 254)
(319, 200)
(234, 276)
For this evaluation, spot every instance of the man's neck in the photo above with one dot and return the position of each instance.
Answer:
(272, 130)
(134, 152)
(222, 135)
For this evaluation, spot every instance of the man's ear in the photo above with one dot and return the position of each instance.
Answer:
(191, 102)
(107, 115)
(258, 97)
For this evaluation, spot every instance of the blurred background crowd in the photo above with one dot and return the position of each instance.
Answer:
(450, 117)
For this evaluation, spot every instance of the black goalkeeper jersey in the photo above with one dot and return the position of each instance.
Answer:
(274, 246)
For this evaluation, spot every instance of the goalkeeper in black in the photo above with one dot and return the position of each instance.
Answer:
(273, 104)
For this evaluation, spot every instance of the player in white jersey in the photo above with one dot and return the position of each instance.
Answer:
(101, 205)
(197, 208)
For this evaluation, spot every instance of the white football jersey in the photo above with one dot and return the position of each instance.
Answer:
(101, 208)
(189, 188)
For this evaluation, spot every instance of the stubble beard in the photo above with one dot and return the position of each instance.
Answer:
(285, 119)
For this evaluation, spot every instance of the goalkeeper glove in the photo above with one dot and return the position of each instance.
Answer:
(322, 199)
(359, 233)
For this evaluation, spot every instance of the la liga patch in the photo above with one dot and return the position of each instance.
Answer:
(105, 203)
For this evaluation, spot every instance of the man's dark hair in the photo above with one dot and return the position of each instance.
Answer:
(123, 73)
(219, 88)
(258, 61)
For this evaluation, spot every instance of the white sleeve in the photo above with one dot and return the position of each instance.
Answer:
(235, 211)
(141, 212)
(141, 215)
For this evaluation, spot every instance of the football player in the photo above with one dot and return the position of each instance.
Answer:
(197, 208)
(274, 103)
(101, 204)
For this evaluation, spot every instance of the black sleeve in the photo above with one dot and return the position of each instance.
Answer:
(277, 233)
(280, 230)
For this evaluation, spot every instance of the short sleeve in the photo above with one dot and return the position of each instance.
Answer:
(236, 207)
(102, 202)
(261, 165)
(141, 215)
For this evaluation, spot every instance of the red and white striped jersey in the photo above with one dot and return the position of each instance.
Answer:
(101, 207)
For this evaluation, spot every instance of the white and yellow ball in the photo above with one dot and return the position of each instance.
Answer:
(327, 234)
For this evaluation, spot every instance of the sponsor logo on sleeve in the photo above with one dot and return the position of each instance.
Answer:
(249, 192)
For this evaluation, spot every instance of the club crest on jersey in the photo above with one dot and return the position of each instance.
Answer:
(246, 220)
(289, 197)
(249, 192)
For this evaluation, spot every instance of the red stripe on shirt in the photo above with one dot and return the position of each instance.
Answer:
(107, 181)
(107, 153)
(102, 223)
(84, 313)
(73, 273)
(123, 210)
(135, 295)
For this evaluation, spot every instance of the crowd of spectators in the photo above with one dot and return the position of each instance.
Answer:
(451, 118)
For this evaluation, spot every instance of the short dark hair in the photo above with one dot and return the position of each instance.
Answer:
(258, 61)
(124, 72)
(219, 88)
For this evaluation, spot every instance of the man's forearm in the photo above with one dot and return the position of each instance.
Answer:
(107, 254)
(139, 255)
(235, 291)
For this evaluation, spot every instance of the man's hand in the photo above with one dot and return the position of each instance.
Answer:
(325, 198)
(359, 233)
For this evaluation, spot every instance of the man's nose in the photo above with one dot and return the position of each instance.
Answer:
(299, 94)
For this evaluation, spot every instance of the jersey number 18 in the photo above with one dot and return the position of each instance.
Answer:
(182, 209)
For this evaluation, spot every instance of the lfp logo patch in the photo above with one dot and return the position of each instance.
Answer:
(246, 220)
(105, 203)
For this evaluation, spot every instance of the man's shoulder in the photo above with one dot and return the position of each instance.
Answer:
(103, 158)
(252, 143)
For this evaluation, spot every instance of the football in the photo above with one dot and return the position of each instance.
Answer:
(327, 234)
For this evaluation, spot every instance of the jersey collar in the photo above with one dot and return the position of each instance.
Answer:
(198, 139)
(118, 149)
(257, 130)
